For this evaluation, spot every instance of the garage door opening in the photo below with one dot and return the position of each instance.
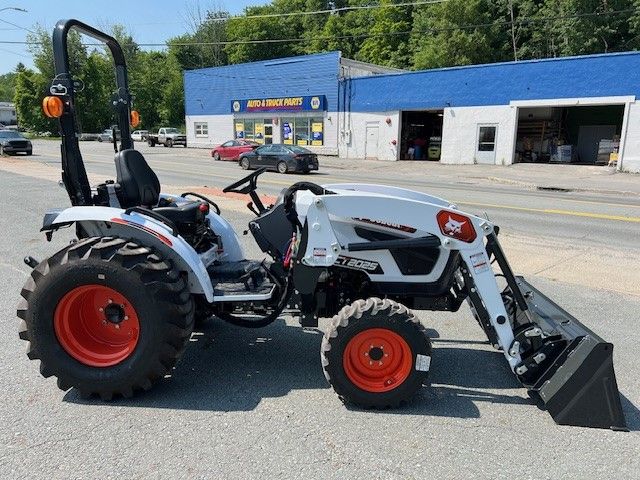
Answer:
(421, 135)
(585, 135)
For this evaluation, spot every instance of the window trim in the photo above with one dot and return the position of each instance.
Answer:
(203, 127)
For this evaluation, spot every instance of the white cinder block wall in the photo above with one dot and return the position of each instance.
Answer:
(631, 153)
(353, 144)
(460, 133)
(220, 130)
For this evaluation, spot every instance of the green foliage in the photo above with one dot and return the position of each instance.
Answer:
(7, 86)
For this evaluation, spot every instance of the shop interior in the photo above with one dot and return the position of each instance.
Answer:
(583, 135)
(421, 136)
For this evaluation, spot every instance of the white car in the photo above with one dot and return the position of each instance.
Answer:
(139, 135)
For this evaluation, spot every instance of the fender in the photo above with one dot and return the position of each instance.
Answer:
(108, 221)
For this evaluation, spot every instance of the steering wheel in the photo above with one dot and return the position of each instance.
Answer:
(251, 180)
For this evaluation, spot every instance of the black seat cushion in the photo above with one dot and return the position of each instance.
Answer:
(180, 215)
(139, 185)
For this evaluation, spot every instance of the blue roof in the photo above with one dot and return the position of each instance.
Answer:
(499, 83)
(209, 91)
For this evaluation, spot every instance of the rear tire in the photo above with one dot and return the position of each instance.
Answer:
(169, 143)
(244, 163)
(372, 352)
(107, 347)
(151, 144)
(282, 167)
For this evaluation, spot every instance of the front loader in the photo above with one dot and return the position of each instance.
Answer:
(111, 313)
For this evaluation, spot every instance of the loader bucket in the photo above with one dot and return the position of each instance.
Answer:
(579, 385)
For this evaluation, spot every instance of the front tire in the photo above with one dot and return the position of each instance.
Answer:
(216, 156)
(169, 143)
(376, 354)
(106, 316)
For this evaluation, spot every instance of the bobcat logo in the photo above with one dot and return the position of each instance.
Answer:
(452, 227)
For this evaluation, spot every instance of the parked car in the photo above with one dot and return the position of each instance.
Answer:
(167, 137)
(13, 142)
(87, 137)
(139, 135)
(107, 135)
(281, 158)
(232, 149)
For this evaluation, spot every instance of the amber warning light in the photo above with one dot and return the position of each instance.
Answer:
(456, 226)
(52, 107)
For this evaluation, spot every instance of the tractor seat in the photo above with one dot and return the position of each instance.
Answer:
(140, 187)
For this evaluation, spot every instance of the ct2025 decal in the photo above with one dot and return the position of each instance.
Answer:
(359, 264)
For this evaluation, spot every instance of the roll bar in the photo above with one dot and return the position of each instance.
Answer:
(74, 174)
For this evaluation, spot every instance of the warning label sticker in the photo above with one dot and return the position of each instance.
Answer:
(319, 252)
(423, 362)
(479, 262)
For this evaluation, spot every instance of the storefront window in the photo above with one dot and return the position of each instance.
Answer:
(287, 131)
(303, 131)
(250, 129)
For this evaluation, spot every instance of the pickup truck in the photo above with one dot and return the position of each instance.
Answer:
(167, 137)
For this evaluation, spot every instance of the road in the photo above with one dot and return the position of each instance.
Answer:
(254, 403)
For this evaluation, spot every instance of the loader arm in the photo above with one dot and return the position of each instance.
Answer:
(551, 352)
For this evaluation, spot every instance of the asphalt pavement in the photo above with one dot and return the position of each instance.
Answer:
(254, 403)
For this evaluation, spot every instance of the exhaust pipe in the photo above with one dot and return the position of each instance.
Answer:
(575, 378)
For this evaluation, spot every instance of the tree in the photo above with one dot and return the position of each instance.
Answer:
(28, 98)
(383, 47)
(7, 86)
(456, 32)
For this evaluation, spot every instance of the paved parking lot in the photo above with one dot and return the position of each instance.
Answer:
(254, 403)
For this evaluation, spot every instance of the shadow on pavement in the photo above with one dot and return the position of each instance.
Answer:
(232, 369)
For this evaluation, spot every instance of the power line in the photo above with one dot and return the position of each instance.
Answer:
(313, 12)
(365, 35)
(17, 26)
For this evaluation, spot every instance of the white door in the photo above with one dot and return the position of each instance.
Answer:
(486, 144)
(589, 137)
(371, 142)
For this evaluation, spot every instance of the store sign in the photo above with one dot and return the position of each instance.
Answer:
(280, 104)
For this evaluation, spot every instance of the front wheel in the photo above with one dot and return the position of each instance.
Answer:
(282, 167)
(216, 156)
(106, 316)
(376, 354)
(244, 163)
(169, 143)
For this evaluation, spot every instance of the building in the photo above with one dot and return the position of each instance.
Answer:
(573, 109)
(291, 100)
(8, 113)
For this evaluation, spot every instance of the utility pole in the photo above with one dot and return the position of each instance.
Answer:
(513, 32)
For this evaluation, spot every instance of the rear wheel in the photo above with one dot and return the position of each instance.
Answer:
(150, 143)
(106, 316)
(244, 163)
(376, 354)
(282, 167)
(169, 143)
(216, 156)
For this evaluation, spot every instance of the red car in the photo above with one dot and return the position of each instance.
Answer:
(232, 149)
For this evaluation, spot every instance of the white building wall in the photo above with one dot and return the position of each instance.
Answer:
(220, 130)
(460, 133)
(631, 150)
(352, 142)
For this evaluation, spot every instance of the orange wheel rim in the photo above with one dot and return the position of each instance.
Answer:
(377, 360)
(96, 325)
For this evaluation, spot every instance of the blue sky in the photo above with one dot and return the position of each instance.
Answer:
(150, 21)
